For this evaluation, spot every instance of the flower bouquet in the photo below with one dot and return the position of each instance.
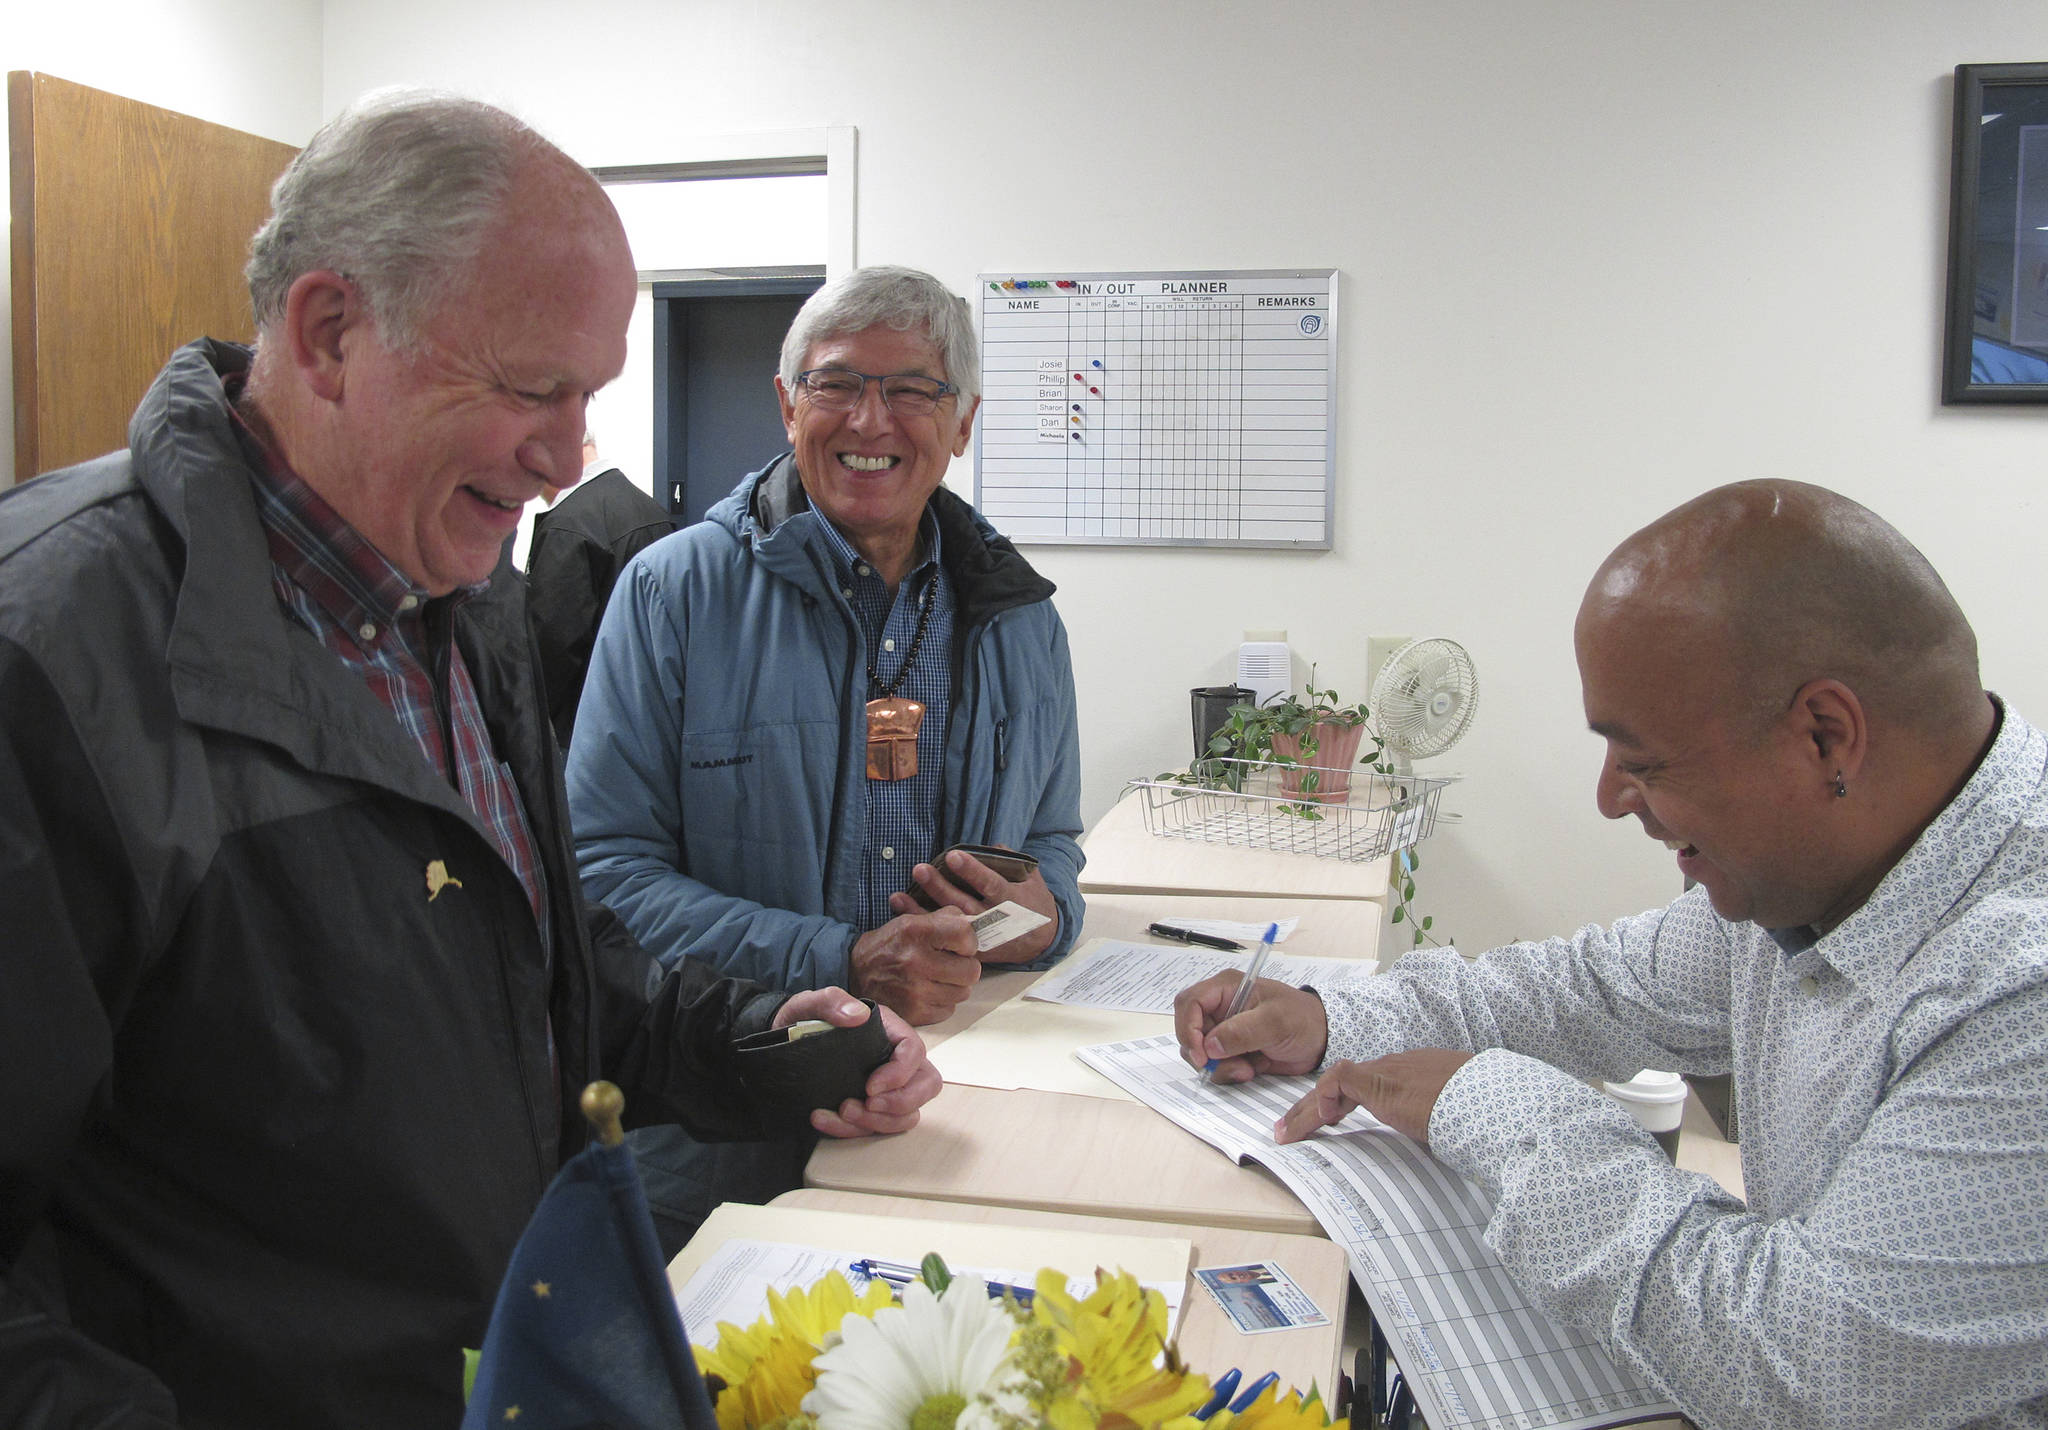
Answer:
(950, 1354)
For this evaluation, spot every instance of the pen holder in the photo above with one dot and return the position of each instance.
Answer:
(1210, 707)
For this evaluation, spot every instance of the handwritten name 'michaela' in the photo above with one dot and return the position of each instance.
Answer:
(721, 764)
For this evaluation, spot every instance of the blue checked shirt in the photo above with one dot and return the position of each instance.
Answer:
(392, 634)
(1890, 1267)
(902, 815)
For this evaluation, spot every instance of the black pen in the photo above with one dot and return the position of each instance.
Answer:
(1179, 935)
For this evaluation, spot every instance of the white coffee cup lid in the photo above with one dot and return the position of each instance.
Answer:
(1649, 1085)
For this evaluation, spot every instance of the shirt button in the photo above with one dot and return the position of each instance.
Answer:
(888, 851)
(409, 602)
(1809, 986)
(862, 571)
(846, 591)
(888, 645)
(366, 631)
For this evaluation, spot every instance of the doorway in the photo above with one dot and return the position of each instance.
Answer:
(717, 345)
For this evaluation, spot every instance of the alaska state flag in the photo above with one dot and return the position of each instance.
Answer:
(585, 1332)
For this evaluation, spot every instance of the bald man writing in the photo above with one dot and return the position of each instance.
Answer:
(1790, 702)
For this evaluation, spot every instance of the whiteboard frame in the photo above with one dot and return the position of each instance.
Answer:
(981, 288)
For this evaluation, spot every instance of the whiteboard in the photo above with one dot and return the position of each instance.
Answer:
(1158, 409)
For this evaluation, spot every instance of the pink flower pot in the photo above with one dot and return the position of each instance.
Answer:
(1336, 752)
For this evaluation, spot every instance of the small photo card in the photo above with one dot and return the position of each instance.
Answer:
(1259, 1296)
(1002, 923)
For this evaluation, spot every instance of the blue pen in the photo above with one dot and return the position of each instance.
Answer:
(1253, 1391)
(898, 1274)
(1225, 1383)
(1239, 999)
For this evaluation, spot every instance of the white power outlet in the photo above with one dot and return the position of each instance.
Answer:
(1377, 651)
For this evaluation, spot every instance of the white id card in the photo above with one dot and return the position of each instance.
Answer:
(1002, 923)
(1259, 1296)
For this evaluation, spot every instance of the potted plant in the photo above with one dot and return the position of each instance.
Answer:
(1310, 738)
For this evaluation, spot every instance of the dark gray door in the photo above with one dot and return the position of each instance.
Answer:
(717, 344)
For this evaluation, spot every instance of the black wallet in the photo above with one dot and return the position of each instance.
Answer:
(789, 1071)
(1012, 864)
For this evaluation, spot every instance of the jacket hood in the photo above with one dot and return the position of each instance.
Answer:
(770, 511)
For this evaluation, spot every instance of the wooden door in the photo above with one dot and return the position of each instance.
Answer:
(130, 228)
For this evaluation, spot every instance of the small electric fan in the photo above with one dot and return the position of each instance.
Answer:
(1423, 699)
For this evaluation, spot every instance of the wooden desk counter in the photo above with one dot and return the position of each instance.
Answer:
(1124, 858)
(1026, 1148)
(1058, 1152)
(1208, 1341)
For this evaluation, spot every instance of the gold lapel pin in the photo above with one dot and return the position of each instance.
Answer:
(438, 878)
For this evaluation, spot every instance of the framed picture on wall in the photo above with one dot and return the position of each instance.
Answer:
(1996, 343)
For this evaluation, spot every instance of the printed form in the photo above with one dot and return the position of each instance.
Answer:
(1476, 1353)
(1143, 977)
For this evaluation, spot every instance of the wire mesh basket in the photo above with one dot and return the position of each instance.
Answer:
(1245, 804)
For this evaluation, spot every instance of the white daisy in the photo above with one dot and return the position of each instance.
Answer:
(914, 1366)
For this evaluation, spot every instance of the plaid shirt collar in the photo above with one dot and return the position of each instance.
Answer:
(927, 543)
(353, 582)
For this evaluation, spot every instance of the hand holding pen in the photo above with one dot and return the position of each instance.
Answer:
(1243, 997)
(1233, 1030)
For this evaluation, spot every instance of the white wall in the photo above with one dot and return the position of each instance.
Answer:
(249, 64)
(1598, 255)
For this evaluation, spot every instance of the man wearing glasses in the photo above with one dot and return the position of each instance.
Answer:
(797, 705)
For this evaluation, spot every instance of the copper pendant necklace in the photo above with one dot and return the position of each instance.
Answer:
(893, 721)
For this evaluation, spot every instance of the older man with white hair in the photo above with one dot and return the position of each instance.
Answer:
(297, 989)
(799, 705)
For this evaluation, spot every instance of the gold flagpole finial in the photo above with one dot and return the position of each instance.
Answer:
(603, 1105)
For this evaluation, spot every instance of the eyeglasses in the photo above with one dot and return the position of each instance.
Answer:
(839, 389)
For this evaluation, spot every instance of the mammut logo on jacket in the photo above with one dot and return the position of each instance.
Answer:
(721, 764)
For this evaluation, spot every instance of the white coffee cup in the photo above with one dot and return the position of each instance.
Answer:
(1657, 1102)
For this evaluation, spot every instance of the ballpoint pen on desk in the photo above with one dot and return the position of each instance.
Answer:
(899, 1275)
(1225, 1387)
(1252, 1392)
(1239, 999)
(1206, 940)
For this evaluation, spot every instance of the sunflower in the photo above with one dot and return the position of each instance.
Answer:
(766, 1369)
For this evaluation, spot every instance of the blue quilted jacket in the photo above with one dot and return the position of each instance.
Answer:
(717, 784)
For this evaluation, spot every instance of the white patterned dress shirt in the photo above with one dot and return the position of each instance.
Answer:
(1891, 1265)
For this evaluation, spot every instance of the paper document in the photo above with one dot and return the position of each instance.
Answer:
(1476, 1353)
(1143, 977)
(1243, 933)
(1031, 1045)
(732, 1286)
